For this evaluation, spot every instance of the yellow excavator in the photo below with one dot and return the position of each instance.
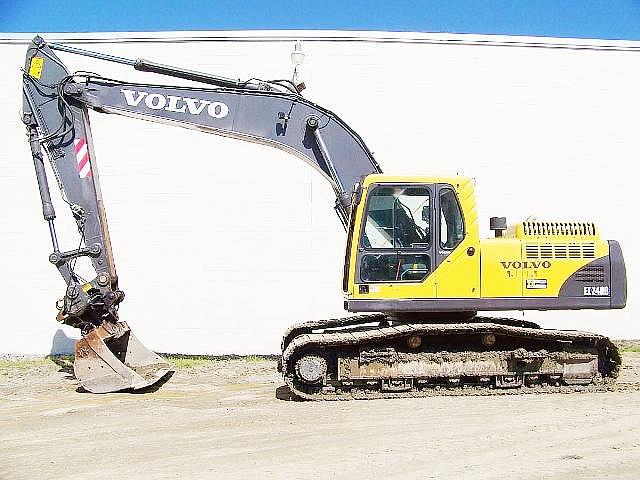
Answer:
(415, 268)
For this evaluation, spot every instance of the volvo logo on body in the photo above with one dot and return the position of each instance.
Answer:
(173, 103)
(526, 265)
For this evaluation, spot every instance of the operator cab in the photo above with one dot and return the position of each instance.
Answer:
(410, 234)
(398, 241)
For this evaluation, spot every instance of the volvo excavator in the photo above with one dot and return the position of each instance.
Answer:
(415, 269)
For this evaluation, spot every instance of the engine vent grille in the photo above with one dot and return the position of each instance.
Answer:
(568, 229)
(560, 250)
(591, 274)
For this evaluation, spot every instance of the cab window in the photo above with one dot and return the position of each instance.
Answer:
(451, 221)
(398, 217)
(397, 234)
(394, 267)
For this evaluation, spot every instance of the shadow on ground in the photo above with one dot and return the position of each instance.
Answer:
(65, 362)
(284, 393)
(61, 344)
(61, 353)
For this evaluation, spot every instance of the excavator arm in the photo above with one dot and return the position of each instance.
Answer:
(55, 111)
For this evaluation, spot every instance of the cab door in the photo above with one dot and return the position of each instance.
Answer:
(457, 254)
(396, 247)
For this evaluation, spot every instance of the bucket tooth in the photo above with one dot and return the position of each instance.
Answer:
(110, 358)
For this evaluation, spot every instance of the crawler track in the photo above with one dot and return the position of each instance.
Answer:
(371, 356)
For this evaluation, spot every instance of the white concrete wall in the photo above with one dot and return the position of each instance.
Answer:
(550, 132)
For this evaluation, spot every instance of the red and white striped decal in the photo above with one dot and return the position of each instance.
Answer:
(82, 157)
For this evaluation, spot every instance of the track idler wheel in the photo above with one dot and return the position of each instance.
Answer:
(110, 358)
(311, 369)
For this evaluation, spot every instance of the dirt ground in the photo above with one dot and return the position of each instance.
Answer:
(222, 419)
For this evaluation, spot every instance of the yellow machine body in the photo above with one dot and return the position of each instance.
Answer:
(529, 265)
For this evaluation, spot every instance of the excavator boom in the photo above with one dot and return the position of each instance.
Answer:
(56, 106)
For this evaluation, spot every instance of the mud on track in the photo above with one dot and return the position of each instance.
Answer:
(221, 419)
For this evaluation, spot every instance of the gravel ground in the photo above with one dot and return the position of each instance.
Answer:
(223, 419)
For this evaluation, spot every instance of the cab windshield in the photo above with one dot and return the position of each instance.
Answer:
(398, 217)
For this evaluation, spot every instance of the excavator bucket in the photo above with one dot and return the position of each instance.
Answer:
(110, 358)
